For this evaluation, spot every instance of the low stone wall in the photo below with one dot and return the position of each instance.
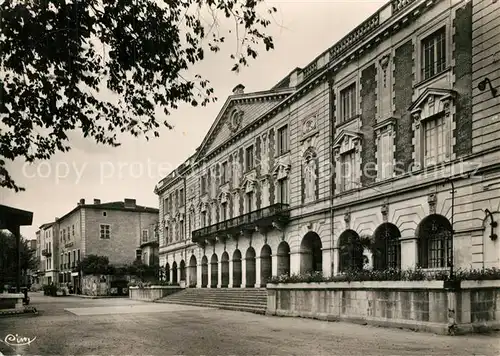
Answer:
(469, 306)
(11, 301)
(152, 293)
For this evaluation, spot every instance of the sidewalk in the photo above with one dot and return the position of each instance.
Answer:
(96, 296)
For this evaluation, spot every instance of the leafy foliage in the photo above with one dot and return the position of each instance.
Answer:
(8, 257)
(391, 275)
(58, 58)
(93, 264)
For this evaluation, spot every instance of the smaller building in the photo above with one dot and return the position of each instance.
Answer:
(149, 246)
(114, 229)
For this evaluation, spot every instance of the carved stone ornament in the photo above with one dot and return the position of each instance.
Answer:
(384, 62)
(416, 119)
(432, 200)
(347, 219)
(309, 124)
(235, 120)
(385, 212)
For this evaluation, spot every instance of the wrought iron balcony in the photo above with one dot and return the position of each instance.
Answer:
(46, 253)
(264, 218)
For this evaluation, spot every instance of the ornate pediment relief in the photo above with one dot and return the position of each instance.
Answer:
(432, 101)
(224, 196)
(249, 182)
(282, 167)
(235, 119)
(346, 141)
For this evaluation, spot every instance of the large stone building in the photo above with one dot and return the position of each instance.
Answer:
(114, 229)
(389, 139)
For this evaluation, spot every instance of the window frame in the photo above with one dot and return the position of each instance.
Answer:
(101, 230)
(353, 106)
(433, 38)
(283, 145)
(343, 155)
(249, 148)
(145, 238)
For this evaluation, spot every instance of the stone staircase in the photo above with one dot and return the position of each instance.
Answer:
(253, 300)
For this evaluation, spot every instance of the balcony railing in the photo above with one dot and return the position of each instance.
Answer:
(69, 244)
(258, 218)
(46, 253)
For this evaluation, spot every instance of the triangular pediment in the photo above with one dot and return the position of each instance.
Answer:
(430, 97)
(347, 135)
(238, 112)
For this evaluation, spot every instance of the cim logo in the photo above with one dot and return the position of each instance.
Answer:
(16, 340)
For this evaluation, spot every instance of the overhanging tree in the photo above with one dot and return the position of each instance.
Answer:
(8, 257)
(58, 56)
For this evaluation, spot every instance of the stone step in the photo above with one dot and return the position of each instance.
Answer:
(243, 308)
(212, 301)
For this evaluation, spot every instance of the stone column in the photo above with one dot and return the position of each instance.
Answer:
(209, 284)
(327, 261)
(219, 273)
(335, 262)
(243, 272)
(295, 262)
(409, 253)
(257, 271)
(274, 264)
(230, 274)
(198, 273)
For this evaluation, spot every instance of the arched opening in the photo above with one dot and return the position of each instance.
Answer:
(182, 266)
(311, 256)
(265, 265)
(386, 247)
(283, 254)
(192, 272)
(214, 271)
(167, 272)
(204, 272)
(350, 251)
(250, 272)
(434, 242)
(174, 273)
(237, 269)
(224, 265)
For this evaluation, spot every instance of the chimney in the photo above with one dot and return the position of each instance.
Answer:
(82, 202)
(97, 201)
(129, 203)
(239, 89)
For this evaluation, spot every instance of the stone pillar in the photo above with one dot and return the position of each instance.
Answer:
(209, 284)
(335, 262)
(230, 274)
(327, 261)
(219, 273)
(198, 273)
(409, 253)
(274, 264)
(295, 262)
(243, 272)
(257, 271)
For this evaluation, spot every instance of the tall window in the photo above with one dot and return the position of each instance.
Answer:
(348, 103)
(167, 235)
(105, 232)
(249, 158)
(78, 255)
(348, 170)
(385, 156)
(283, 140)
(181, 197)
(181, 229)
(434, 141)
(73, 230)
(74, 258)
(144, 235)
(165, 205)
(203, 184)
(223, 212)
(203, 218)
(283, 191)
(224, 172)
(249, 202)
(434, 54)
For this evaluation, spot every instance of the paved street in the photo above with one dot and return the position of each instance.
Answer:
(75, 326)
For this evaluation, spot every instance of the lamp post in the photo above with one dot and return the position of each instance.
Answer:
(450, 257)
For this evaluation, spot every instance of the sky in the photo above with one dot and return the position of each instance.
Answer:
(301, 31)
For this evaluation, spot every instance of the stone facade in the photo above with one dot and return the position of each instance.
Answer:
(47, 253)
(369, 140)
(114, 229)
